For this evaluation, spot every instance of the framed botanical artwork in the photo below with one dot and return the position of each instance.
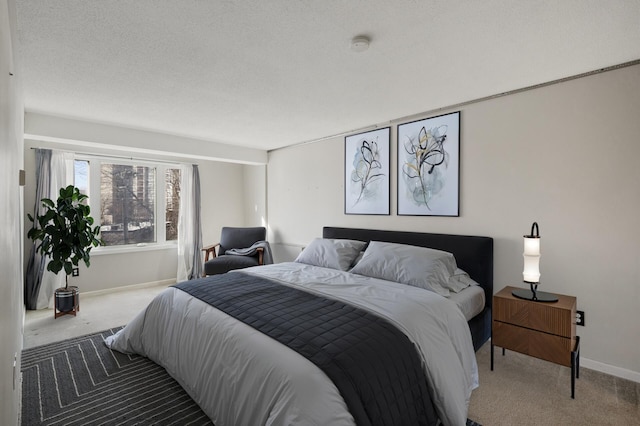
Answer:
(429, 166)
(366, 173)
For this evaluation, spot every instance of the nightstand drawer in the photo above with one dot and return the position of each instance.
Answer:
(558, 318)
(534, 343)
(510, 337)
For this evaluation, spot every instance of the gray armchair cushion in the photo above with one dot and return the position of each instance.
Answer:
(226, 263)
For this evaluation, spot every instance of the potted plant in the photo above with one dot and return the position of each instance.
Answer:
(66, 237)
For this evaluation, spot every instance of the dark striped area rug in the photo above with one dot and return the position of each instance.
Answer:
(80, 381)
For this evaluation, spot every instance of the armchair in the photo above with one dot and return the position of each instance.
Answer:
(234, 238)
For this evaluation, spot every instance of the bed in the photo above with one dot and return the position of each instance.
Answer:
(240, 374)
(474, 254)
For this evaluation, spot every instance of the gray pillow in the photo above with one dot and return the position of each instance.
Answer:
(416, 266)
(330, 253)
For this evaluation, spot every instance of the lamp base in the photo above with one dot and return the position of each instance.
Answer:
(536, 296)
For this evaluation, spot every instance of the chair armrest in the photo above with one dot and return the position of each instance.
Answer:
(260, 251)
(208, 250)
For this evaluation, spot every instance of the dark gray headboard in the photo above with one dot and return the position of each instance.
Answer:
(473, 254)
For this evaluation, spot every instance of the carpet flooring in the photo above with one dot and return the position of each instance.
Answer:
(79, 381)
(522, 390)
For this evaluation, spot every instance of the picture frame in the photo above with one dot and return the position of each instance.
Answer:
(367, 180)
(428, 166)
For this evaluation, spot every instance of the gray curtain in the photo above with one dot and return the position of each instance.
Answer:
(196, 272)
(189, 226)
(37, 263)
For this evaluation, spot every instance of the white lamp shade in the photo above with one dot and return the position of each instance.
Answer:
(531, 246)
(531, 272)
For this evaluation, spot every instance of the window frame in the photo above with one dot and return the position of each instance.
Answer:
(95, 162)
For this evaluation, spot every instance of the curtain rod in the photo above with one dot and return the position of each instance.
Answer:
(121, 157)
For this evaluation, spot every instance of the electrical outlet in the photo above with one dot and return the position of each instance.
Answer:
(580, 318)
(75, 272)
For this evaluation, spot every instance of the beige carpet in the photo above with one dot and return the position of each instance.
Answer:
(98, 311)
(520, 391)
(526, 391)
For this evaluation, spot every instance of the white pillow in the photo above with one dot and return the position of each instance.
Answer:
(459, 281)
(416, 266)
(329, 253)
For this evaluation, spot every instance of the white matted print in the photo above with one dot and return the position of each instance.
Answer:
(366, 173)
(429, 166)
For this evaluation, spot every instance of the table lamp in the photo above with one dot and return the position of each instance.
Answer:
(531, 272)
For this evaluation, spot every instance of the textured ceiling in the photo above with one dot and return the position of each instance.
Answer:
(267, 74)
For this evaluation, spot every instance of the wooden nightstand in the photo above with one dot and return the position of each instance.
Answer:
(542, 330)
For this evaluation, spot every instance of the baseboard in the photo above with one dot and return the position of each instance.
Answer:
(612, 370)
(165, 283)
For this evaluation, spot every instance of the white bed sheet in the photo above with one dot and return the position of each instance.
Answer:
(471, 300)
(241, 377)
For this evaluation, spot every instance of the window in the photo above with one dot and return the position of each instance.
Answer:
(131, 200)
(172, 203)
(127, 204)
(81, 175)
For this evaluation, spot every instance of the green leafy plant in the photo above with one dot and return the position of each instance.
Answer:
(65, 231)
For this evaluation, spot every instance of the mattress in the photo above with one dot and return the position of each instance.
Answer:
(471, 301)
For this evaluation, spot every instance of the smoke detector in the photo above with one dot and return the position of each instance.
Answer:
(360, 43)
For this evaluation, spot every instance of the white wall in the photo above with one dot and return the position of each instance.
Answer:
(98, 135)
(11, 304)
(255, 195)
(564, 155)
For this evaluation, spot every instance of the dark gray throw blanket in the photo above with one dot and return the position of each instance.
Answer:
(375, 367)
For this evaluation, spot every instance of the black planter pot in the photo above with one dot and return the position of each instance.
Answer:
(67, 300)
